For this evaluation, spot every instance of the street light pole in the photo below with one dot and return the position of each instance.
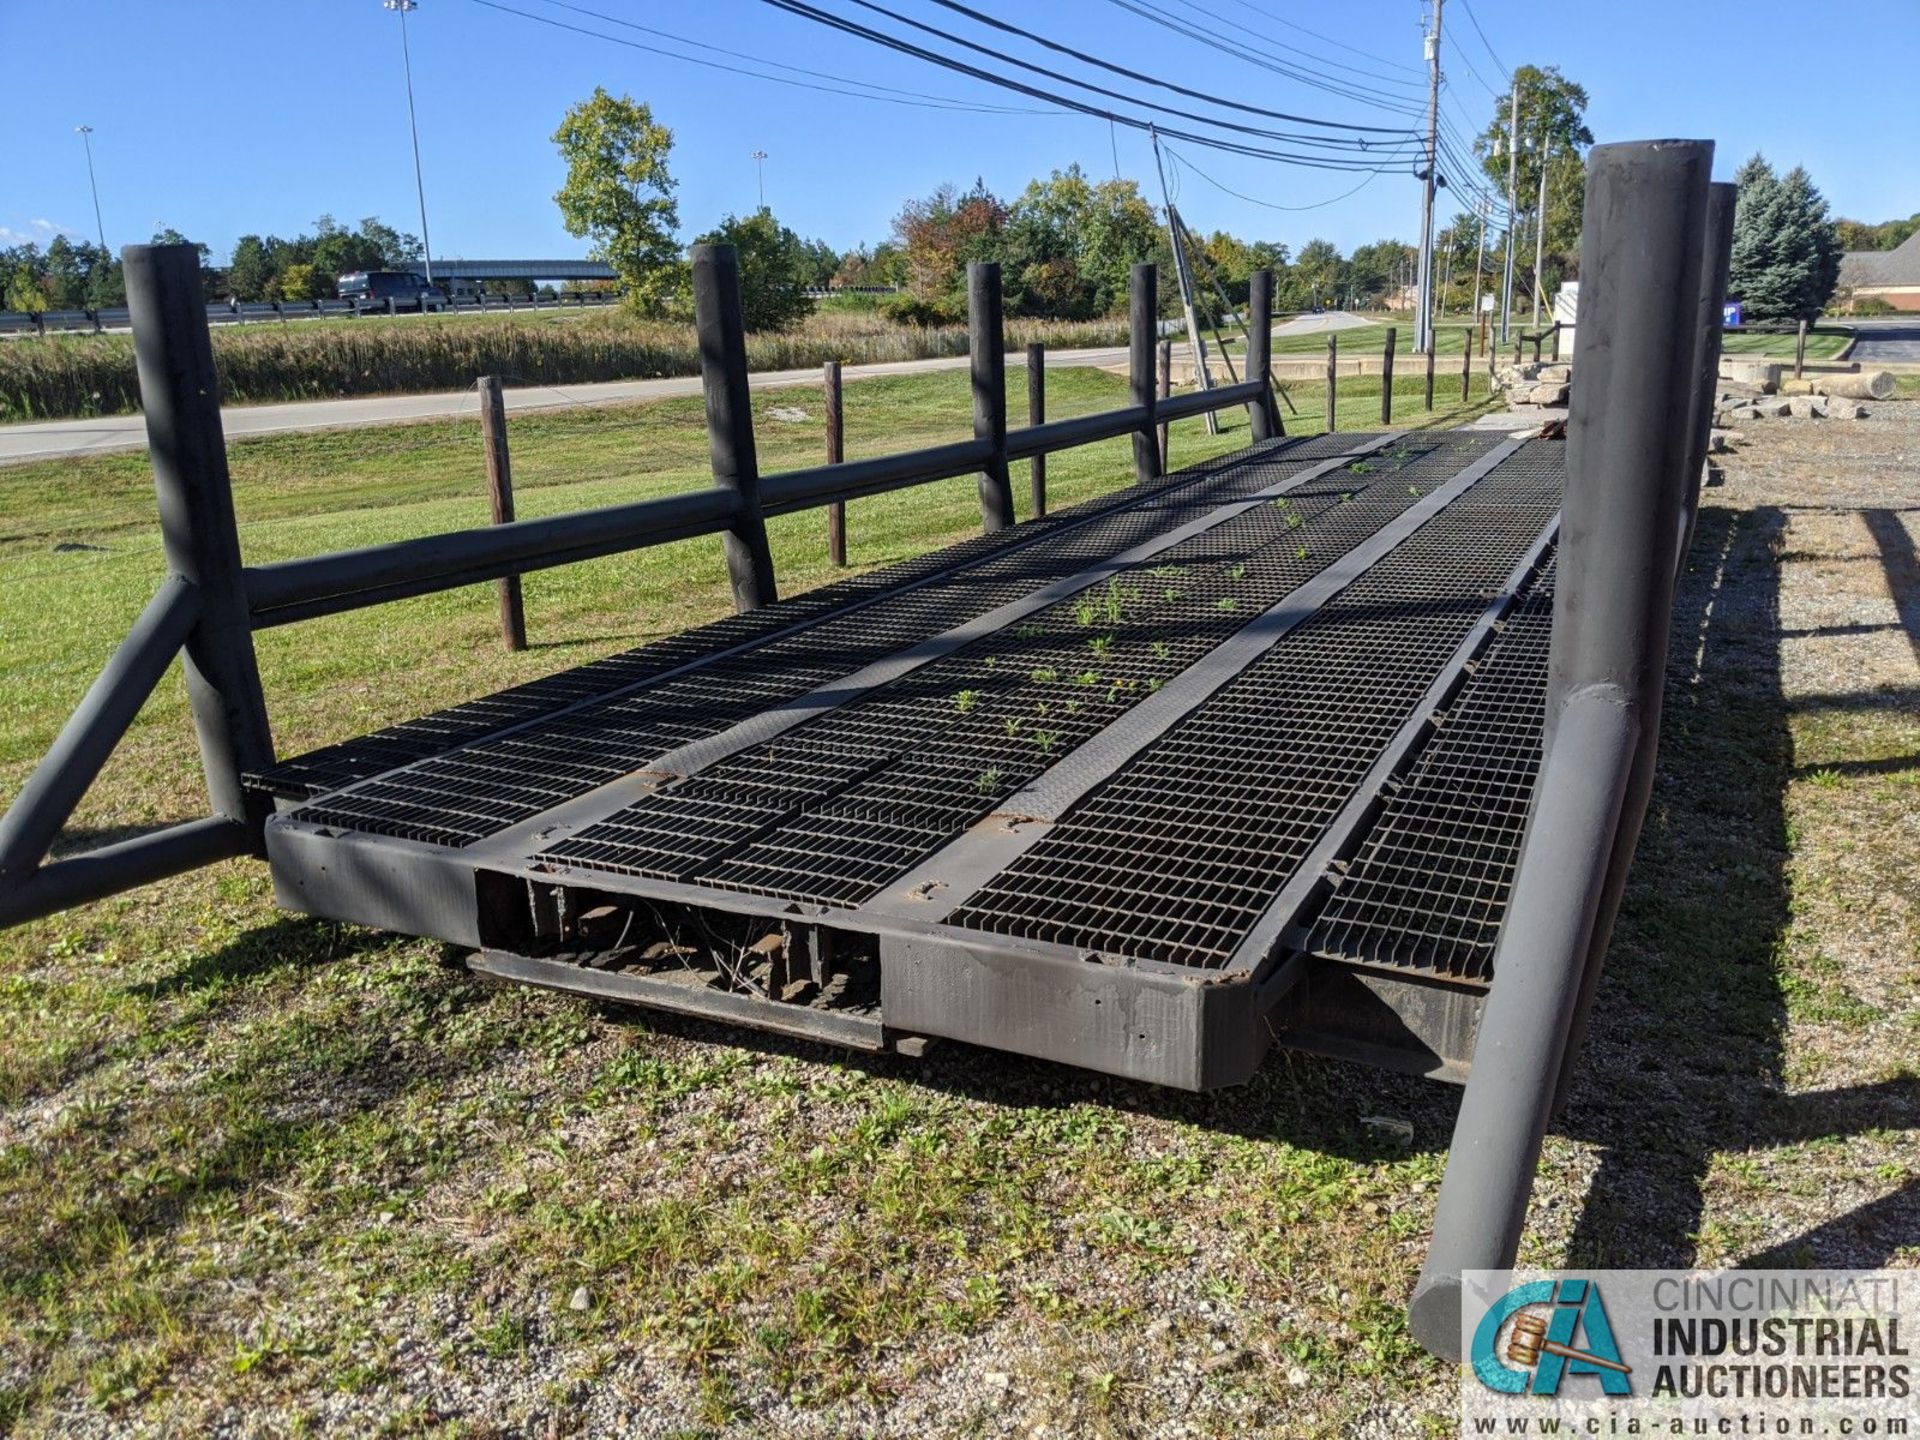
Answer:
(759, 158)
(413, 125)
(85, 132)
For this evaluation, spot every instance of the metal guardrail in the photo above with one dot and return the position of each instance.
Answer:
(212, 602)
(243, 312)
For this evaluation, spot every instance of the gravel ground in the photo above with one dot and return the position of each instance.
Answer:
(510, 1213)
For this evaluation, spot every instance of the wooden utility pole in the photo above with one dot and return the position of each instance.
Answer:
(1423, 325)
(493, 430)
(1195, 344)
(1540, 234)
(1513, 210)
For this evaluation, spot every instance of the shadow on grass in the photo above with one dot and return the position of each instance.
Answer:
(1685, 1061)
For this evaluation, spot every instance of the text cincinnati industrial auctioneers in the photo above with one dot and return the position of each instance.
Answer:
(1851, 1349)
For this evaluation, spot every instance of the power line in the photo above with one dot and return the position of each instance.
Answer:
(1353, 164)
(1394, 104)
(1000, 55)
(1308, 55)
(1326, 39)
(897, 98)
(1187, 164)
(1084, 57)
(1505, 72)
(760, 60)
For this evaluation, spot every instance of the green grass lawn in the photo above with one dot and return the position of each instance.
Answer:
(244, 1155)
(1821, 344)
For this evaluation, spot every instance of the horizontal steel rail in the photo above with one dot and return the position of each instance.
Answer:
(124, 865)
(1199, 402)
(819, 485)
(1078, 430)
(290, 590)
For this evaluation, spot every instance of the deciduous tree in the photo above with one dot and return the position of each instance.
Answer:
(620, 194)
(775, 269)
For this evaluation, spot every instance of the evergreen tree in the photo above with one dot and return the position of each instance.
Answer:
(1786, 256)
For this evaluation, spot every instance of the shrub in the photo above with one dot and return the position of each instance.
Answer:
(904, 309)
(1871, 305)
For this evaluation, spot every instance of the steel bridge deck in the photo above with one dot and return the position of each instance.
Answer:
(1143, 786)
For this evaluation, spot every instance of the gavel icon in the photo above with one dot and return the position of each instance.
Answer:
(1528, 1342)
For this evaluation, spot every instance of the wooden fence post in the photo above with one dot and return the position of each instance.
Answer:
(1433, 351)
(1333, 359)
(1143, 319)
(1466, 370)
(1386, 378)
(493, 430)
(1166, 390)
(987, 362)
(1037, 415)
(1800, 352)
(836, 452)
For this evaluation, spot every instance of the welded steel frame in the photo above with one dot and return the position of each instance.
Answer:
(212, 603)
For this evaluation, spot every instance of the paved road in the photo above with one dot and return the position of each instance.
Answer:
(48, 439)
(1887, 342)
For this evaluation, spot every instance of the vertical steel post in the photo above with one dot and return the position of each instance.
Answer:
(1143, 324)
(1386, 378)
(987, 365)
(1703, 381)
(1263, 414)
(493, 430)
(180, 395)
(723, 380)
(1627, 445)
(1333, 359)
(1714, 268)
(1037, 415)
(836, 453)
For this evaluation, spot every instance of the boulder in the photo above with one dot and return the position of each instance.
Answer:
(1808, 407)
(1548, 394)
(1759, 373)
(1555, 374)
(1844, 409)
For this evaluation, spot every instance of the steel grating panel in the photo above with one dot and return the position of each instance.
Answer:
(334, 766)
(841, 805)
(484, 787)
(1177, 856)
(1428, 890)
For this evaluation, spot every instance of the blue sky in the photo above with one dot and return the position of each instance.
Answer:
(221, 117)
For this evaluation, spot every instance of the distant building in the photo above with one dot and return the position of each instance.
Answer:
(1891, 276)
